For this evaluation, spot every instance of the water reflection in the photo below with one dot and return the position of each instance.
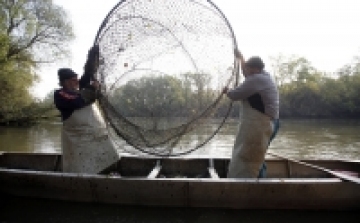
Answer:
(43, 138)
(326, 139)
(301, 139)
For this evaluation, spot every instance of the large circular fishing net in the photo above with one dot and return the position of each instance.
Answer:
(163, 65)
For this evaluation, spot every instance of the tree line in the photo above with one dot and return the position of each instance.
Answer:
(165, 96)
(305, 92)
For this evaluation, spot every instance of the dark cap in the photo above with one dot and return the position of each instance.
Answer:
(255, 62)
(66, 73)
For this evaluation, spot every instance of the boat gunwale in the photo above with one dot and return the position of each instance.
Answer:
(187, 157)
(114, 172)
(192, 180)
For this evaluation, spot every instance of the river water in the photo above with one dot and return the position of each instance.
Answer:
(299, 139)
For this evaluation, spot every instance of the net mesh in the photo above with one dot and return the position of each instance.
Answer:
(163, 65)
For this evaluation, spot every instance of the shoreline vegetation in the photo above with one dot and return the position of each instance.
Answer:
(305, 93)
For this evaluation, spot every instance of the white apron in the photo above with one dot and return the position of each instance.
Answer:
(86, 146)
(251, 143)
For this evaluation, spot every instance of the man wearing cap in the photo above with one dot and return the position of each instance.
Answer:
(259, 119)
(86, 147)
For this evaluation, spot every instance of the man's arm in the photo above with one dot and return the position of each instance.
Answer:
(90, 67)
(230, 93)
(243, 91)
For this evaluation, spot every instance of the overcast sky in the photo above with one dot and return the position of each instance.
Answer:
(326, 32)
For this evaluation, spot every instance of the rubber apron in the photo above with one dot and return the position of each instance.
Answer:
(86, 146)
(251, 143)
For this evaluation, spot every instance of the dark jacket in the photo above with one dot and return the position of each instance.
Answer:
(68, 101)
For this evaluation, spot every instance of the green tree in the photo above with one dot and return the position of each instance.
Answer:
(299, 86)
(151, 97)
(306, 92)
(348, 87)
(32, 32)
(37, 28)
(293, 69)
(201, 92)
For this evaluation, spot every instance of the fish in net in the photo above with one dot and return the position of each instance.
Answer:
(163, 65)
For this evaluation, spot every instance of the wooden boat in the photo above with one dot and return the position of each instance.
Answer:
(185, 182)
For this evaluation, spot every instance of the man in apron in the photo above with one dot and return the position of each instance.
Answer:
(259, 119)
(86, 147)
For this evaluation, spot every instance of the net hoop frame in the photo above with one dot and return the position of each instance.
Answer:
(235, 75)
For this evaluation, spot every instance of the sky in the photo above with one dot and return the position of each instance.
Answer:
(326, 32)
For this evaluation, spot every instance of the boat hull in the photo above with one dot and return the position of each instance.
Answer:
(269, 193)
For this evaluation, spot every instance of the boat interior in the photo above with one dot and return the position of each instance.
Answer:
(181, 167)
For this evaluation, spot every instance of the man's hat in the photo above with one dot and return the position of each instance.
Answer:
(66, 73)
(255, 62)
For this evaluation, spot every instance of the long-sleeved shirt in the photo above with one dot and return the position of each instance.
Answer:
(68, 101)
(261, 93)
